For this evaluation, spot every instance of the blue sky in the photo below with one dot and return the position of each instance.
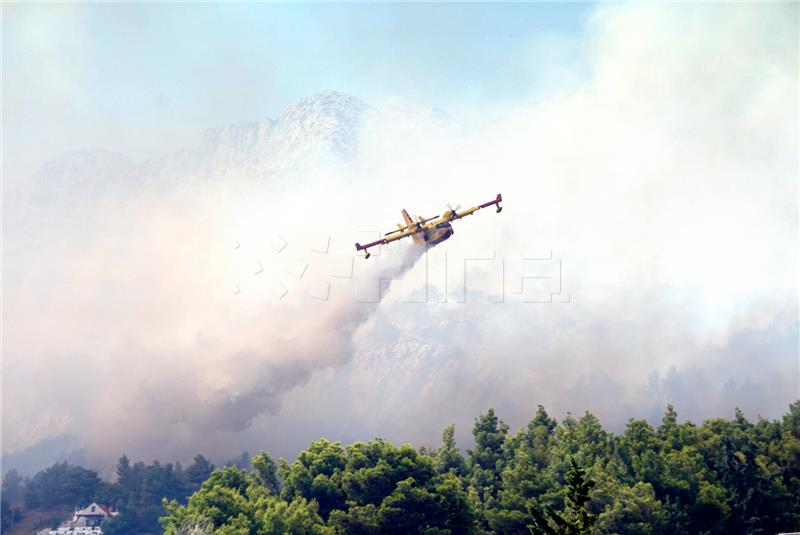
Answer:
(436, 53)
(111, 75)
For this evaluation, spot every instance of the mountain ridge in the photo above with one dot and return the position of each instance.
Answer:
(327, 123)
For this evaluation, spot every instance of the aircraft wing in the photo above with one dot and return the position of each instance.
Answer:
(400, 235)
(387, 239)
(470, 211)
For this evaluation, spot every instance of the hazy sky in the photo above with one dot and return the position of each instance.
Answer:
(651, 149)
(110, 75)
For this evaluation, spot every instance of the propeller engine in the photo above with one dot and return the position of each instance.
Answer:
(416, 225)
(451, 212)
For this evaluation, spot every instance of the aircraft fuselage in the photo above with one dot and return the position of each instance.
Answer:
(438, 234)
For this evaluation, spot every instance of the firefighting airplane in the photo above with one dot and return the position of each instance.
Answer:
(432, 230)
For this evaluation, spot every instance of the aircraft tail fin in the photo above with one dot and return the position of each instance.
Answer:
(407, 218)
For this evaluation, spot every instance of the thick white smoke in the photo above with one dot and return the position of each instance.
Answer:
(181, 317)
(174, 319)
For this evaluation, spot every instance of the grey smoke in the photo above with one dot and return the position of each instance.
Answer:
(668, 189)
(271, 376)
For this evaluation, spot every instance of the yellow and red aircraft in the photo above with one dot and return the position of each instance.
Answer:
(432, 230)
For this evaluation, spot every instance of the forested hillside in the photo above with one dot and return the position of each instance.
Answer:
(137, 493)
(722, 476)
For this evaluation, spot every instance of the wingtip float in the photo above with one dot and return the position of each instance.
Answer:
(431, 230)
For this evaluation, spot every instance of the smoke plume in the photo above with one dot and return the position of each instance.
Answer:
(646, 254)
